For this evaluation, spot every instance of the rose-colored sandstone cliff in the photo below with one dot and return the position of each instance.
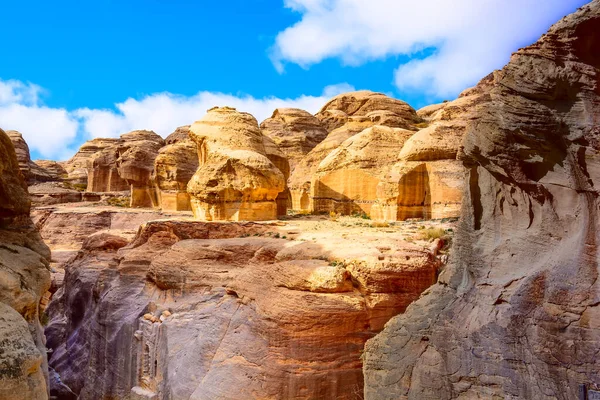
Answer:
(516, 314)
(24, 278)
(235, 179)
(196, 310)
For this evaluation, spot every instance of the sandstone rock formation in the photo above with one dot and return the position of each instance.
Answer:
(34, 172)
(196, 310)
(24, 278)
(428, 180)
(126, 164)
(137, 154)
(515, 315)
(296, 132)
(103, 172)
(180, 134)
(47, 171)
(379, 108)
(77, 166)
(22, 152)
(279, 159)
(235, 179)
(346, 180)
(345, 116)
(174, 166)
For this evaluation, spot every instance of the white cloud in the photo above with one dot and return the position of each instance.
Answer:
(471, 37)
(56, 133)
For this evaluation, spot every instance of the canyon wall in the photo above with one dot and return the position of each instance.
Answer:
(515, 314)
(199, 310)
(24, 278)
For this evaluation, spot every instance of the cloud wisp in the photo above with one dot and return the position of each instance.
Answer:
(56, 133)
(470, 38)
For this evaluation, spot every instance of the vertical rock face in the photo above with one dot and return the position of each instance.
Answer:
(346, 180)
(345, 116)
(77, 166)
(296, 132)
(427, 181)
(235, 179)
(136, 163)
(174, 166)
(103, 172)
(196, 310)
(515, 315)
(279, 159)
(22, 152)
(127, 164)
(24, 277)
(43, 171)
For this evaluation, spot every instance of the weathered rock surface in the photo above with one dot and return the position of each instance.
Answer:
(180, 134)
(347, 179)
(235, 179)
(136, 163)
(515, 315)
(428, 181)
(127, 164)
(174, 166)
(22, 152)
(47, 171)
(345, 116)
(33, 172)
(379, 108)
(196, 310)
(77, 166)
(24, 278)
(102, 168)
(296, 132)
(280, 160)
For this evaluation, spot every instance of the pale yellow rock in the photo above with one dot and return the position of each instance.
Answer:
(347, 179)
(173, 168)
(235, 179)
(344, 116)
(428, 180)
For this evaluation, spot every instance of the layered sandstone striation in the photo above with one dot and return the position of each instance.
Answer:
(174, 166)
(235, 179)
(137, 154)
(77, 166)
(180, 134)
(126, 164)
(296, 132)
(515, 315)
(347, 179)
(212, 310)
(34, 172)
(427, 181)
(377, 107)
(344, 116)
(24, 278)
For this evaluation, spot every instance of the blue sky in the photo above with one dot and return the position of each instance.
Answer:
(73, 70)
